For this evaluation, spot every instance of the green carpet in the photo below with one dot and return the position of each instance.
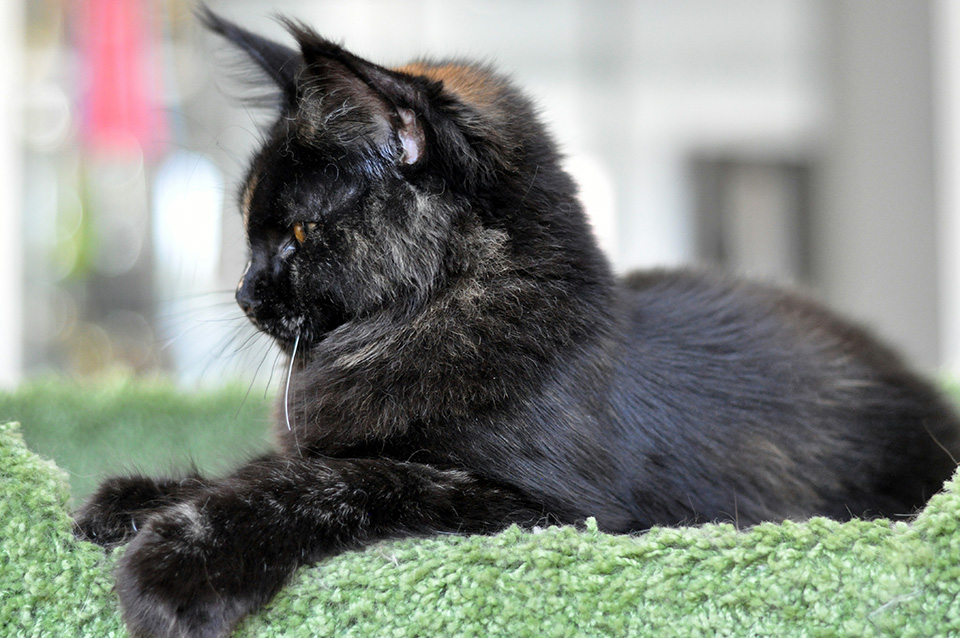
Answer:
(818, 578)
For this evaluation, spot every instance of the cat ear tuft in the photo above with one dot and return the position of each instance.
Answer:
(280, 62)
(411, 136)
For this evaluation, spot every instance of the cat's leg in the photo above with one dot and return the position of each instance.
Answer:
(196, 567)
(122, 504)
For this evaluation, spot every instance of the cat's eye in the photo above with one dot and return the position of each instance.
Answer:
(302, 229)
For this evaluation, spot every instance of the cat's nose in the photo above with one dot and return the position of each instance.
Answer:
(245, 300)
(245, 297)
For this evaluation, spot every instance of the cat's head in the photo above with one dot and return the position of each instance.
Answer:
(358, 199)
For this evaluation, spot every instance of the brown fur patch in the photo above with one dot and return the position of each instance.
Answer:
(247, 198)
(471, 84)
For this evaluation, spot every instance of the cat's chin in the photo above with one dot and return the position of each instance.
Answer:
(288, 325)
(298, 334)
(301, 338)
(288, 335)
(299, 344)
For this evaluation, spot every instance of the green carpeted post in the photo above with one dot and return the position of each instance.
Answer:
(818, 578)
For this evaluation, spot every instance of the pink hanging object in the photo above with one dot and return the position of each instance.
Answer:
(121, 87)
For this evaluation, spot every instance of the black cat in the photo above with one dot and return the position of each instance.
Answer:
(463, 359)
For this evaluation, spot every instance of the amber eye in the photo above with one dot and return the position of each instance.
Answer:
(300, 233)
(302, 229)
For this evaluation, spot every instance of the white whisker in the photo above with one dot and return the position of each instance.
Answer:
(286, 390)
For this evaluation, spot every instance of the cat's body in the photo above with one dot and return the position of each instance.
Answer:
(669, 407)
(463, 359)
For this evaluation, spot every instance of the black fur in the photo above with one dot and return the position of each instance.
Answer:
(463, 359)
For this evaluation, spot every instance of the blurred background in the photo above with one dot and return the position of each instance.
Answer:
(808, 142)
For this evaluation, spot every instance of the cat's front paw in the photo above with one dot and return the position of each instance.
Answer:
(187, 575)
(123, 504)
(116, 511)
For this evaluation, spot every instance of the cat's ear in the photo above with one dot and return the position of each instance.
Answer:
(281, 63)
(338, 83)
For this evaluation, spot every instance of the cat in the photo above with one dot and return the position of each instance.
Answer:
(463, 359)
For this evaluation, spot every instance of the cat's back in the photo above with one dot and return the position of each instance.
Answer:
(760, 390)
(699, 319)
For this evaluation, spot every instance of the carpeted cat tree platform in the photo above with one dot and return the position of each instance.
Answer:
(818, 578)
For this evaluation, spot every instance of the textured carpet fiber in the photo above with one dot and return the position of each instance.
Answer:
(818, 578)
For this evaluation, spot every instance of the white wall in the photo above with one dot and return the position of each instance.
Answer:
(946, 20)
(11, 253)
(876, 254)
